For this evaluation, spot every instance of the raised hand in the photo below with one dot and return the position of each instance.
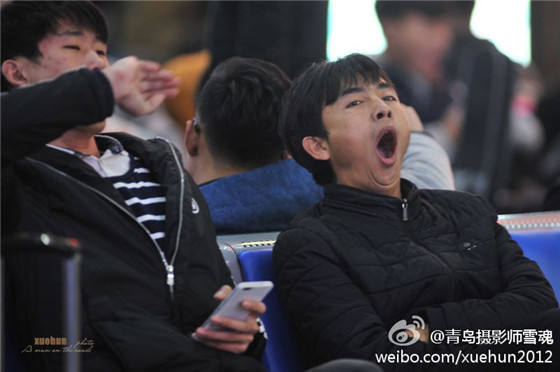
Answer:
(139, 87)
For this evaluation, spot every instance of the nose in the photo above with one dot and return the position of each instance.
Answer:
(381, 111)
(94, 60)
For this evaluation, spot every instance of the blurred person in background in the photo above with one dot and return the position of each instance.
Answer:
(290, 34)
(418, 40)
(494, 138)
(548, 111)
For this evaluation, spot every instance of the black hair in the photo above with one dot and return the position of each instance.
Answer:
(25, 23)
(462, 9)
(390, 9)
(319, 86)
(238, 109)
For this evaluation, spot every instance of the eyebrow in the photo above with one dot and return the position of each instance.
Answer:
(71, 33)
(384, 85)
(79, 33)
(351, 90)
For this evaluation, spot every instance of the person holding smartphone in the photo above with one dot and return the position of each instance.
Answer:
(151, 269)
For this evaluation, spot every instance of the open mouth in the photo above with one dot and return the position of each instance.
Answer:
(387, 144)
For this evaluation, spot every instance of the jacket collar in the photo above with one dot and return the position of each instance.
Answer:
(365, 202)
(262, 199)
(156, 155)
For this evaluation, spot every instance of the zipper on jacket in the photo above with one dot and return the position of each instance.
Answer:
(445, 266)
(170, 276)
(405, 210)
(169, 269)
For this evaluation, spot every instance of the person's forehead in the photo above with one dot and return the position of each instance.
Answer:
(66, 28)
(362, 86)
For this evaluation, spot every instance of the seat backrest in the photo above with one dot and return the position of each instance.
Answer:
(538, 235)
(232, 246)
(281, 353)
(543, 246)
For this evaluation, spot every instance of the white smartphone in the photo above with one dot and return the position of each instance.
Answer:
(231, 306)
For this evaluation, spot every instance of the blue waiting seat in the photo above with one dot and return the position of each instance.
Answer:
(543, 246)
(538, 234)
(281, 353)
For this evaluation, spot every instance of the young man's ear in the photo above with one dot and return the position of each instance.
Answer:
(14, 73)
(192, 138)
(317, 147)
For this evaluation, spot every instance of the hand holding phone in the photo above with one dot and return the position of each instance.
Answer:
(231, 306)
(237, 325)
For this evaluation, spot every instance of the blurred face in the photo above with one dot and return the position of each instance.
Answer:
(368, 136)
(69, 48)
(420, 43)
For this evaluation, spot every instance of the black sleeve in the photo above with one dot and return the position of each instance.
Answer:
(35, 115)
(525, 292)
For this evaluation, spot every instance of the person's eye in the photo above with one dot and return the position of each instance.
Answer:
(73, 47)
(353, 103)
(390, 98)
(101, 53)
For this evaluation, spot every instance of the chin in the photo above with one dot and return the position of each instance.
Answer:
(391, 177)
(93, 128)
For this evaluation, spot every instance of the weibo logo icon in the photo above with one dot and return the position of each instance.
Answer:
(403, 334)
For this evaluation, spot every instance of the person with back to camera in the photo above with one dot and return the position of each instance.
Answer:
(377, 252)
(236, 156)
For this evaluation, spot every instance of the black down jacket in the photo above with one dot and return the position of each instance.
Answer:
(135, 317)
(352, 266)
